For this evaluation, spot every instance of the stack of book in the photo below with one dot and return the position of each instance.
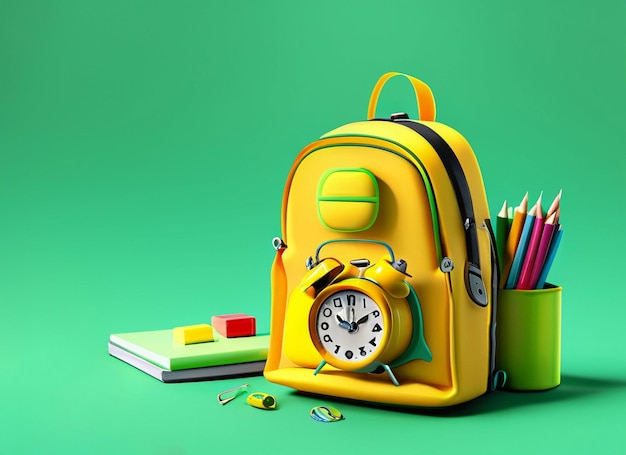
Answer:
(155, 353)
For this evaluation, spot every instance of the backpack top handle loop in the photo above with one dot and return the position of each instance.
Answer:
(423, 95)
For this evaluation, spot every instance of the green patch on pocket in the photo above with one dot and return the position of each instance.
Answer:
(348, 199)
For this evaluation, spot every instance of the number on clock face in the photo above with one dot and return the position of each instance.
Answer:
(349, 325)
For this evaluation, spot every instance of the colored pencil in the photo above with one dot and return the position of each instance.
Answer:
(519, 216)
(531, 252)
(502, 231)
(522, 246)
(554, 245)
(542, 250)
(555, 206)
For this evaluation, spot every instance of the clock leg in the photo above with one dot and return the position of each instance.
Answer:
(390, 373)
(319, 367)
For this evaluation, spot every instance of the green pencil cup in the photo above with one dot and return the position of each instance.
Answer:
(528, 338)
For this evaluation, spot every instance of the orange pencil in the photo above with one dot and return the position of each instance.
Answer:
(519, 216)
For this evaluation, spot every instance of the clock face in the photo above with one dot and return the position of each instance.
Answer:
(350, 328)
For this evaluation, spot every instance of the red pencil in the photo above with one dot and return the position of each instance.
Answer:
(531, 251)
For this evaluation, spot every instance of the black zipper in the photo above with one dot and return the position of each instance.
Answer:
(474, 282)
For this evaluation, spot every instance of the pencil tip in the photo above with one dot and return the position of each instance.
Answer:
(555, 204)
(524, 204)
(503, 210)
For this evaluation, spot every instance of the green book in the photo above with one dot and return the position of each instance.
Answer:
(235, 370)
(159, 348)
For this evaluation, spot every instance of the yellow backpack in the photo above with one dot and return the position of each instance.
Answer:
(384, 280)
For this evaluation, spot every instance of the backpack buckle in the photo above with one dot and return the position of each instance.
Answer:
(475, 286)
(399, 116)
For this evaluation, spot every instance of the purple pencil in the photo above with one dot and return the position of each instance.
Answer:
(542, 250)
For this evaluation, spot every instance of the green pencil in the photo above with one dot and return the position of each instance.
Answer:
(502, 232)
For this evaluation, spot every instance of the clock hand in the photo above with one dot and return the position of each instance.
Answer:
(343, 323)
(354, 326)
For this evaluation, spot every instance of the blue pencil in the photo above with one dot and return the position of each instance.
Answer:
(554, 245)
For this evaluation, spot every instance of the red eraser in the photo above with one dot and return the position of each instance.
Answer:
(234, 325)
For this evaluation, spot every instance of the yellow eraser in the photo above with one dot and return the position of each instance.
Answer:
(190, 334)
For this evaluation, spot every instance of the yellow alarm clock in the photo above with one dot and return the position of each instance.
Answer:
(360, 319)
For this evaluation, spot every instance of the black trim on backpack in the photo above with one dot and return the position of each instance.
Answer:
(459, 183)
(473, 275)
(495, 279)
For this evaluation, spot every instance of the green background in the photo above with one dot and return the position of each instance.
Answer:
(143, 151)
